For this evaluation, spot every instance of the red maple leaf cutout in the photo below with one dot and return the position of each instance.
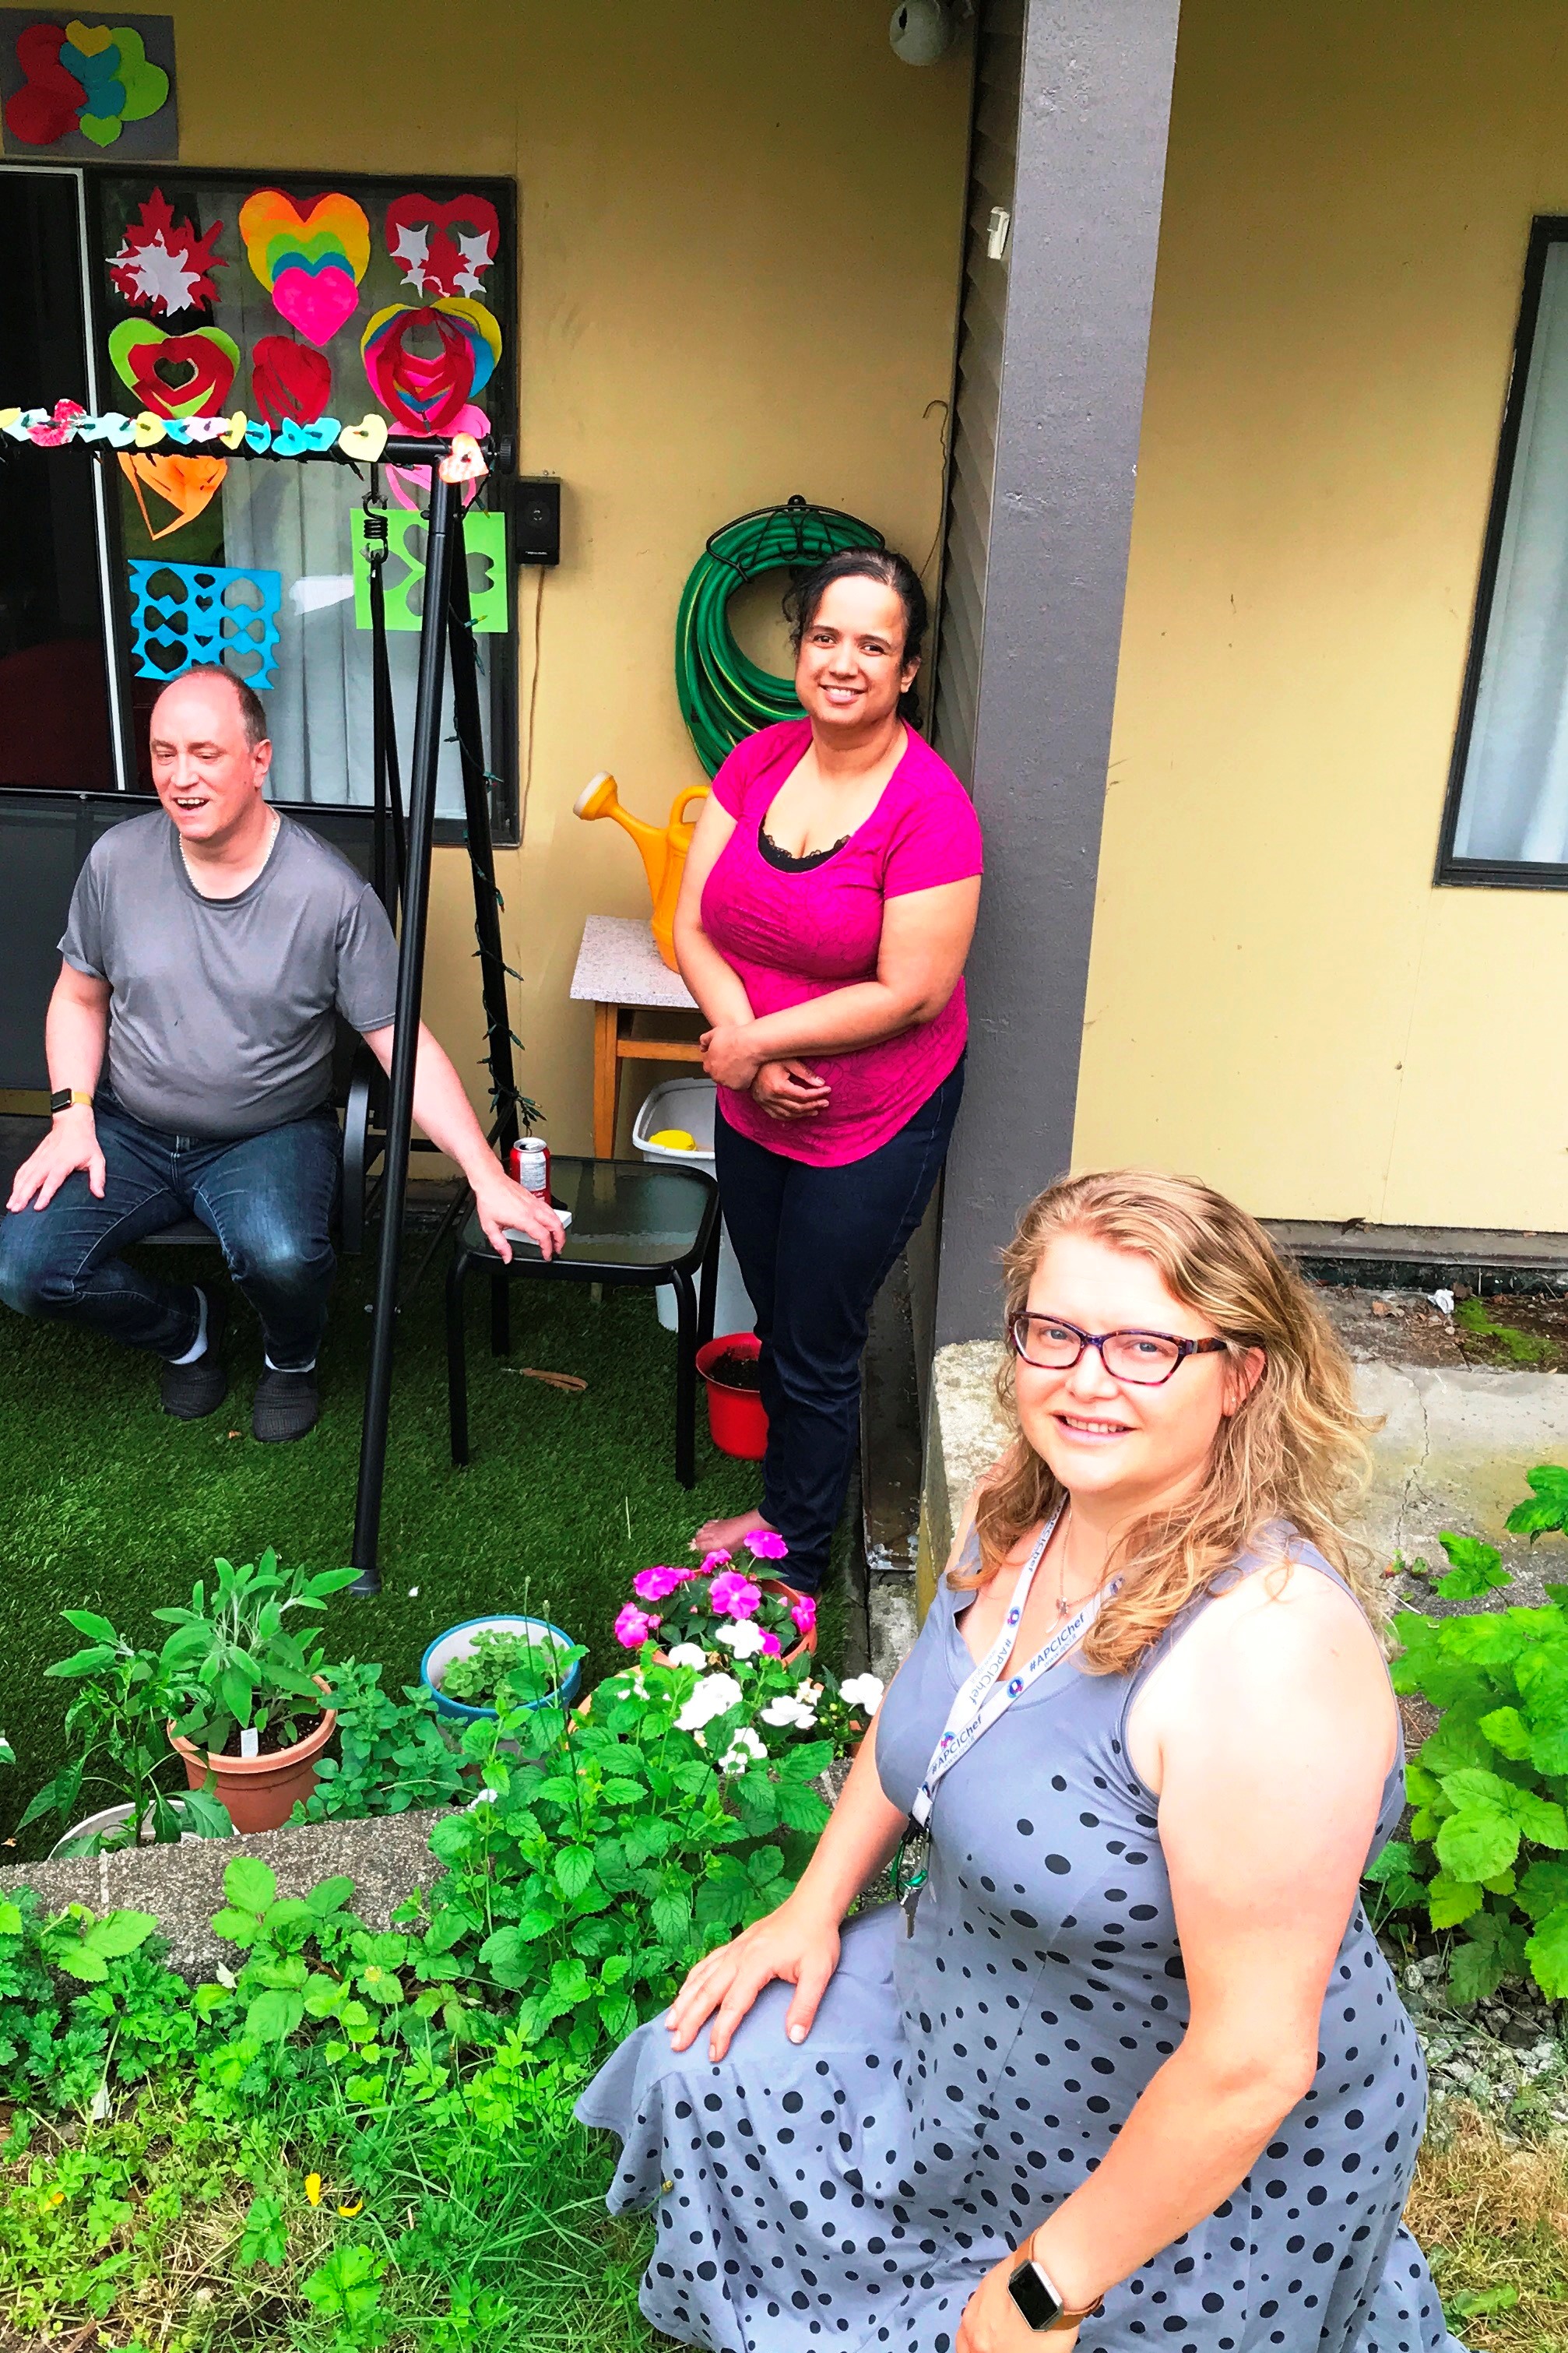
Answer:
(161, 266)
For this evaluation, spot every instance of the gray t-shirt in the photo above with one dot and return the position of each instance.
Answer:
(220, 1020)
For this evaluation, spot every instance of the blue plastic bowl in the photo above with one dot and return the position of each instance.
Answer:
(459, 1641)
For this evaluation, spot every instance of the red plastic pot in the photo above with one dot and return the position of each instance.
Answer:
(737, 1418)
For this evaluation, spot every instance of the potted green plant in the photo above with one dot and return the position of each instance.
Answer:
(250, 1693)
(116, 1726)
(748, 1614)
(472, 1669)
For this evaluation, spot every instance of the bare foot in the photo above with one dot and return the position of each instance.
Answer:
(723, 1536)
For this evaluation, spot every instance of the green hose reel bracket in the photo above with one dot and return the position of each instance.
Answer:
(724, 696)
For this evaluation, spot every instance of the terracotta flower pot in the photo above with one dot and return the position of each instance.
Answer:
(259, 1793)
(802, 1649)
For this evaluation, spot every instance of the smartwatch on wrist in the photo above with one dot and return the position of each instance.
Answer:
(1039, 2299)
(69, 1097)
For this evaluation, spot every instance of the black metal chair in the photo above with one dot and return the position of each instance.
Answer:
(632, 1222)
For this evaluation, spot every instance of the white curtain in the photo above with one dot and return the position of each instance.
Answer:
(1514, 800)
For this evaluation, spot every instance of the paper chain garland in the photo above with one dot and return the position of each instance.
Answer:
(68, 421)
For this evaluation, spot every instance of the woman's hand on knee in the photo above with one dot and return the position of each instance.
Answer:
(798, 1947)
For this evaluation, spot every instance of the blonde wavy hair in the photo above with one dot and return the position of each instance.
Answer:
(1295, 1450)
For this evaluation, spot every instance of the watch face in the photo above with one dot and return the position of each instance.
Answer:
(1032, 2293)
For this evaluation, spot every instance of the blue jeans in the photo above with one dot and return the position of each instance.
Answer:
(815, 1246)
(267, 1199)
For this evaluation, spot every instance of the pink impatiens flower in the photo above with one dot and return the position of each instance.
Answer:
(658, 1583)
(767, 1544)
(802, 1609)
(772, 1647)
(734, 1596)
(634, 1626)
(713, 1561)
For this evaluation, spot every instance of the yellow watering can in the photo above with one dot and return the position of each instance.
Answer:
(663, 853)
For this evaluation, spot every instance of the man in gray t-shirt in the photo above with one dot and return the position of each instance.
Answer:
(210, 950)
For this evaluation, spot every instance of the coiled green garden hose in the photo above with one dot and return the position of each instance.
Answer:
(724, 696)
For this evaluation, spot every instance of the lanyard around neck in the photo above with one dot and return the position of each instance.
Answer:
(984, 1697)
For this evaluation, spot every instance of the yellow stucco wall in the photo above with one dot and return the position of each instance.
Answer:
(739, 237)
(1278, 998)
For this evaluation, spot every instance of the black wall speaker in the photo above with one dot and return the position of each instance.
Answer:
(536, 519)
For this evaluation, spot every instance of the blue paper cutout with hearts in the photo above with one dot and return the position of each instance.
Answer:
(187, 613)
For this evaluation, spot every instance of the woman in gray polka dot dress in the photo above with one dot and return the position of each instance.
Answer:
(1128, 2068)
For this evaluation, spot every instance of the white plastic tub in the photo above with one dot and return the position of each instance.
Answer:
(691, 1104)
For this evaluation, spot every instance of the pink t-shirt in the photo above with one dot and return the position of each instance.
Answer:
(792, 936)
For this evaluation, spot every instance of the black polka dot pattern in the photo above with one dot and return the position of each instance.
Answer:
(852, 2191)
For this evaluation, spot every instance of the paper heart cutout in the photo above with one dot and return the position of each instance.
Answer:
(147, 430)
(119, 84)
(234, 431)
(464, 462)
(177, 430)
(427, 238)
(289, 379)
(258, 436)
(11, 417)
(45, 107)
(366, 439)
(310, 261)
(205, 429)
(141, 353)
(186, 484)
(60, 427)
(410, 485)
(426, 389)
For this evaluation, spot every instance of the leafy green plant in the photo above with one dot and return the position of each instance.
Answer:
(500, 1661)
(607, 1852)
(1487, 1854)
(117, 1725)
(393, 1753)
(238, 1666)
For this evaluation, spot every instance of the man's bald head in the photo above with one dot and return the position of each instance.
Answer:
(252, 710)
(211, 757)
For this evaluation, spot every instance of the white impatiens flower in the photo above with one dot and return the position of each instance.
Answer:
(789, 1708)
(687, 1654)
(714, 1695)
(863, 1691)
(742, 1635)
(744, 1749)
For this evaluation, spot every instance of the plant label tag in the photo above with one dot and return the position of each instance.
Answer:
(249, 1742)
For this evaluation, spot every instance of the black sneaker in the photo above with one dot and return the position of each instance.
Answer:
(190, 1392)
(286, 1405)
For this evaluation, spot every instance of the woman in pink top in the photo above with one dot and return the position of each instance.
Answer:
(827, 906)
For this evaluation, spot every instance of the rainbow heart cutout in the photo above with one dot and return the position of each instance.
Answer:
(119, 83)
(289, 379)
(424, 390)
(311, 262)
(141, 352)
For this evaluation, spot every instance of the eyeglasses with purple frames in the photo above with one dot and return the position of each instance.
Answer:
(1147, 1359)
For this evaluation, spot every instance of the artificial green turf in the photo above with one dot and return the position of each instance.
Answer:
(106, 1504)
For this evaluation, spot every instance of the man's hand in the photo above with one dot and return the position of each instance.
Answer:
(70, 1144)
(728, 1056)
(500, 1203)
(790, 1090)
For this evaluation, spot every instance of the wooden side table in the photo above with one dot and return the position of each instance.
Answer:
(620, 971)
